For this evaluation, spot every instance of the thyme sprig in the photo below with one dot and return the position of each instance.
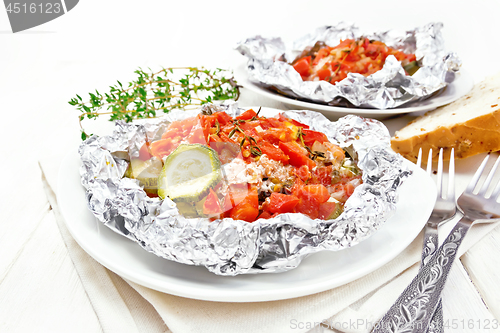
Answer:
(254, 149)
(154, 92)
(315, 154)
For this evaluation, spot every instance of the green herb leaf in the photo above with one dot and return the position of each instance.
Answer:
(154, 92)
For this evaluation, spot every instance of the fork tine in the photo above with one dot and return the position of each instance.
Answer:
(419, 158)
(477, 175)
(488, 180)
(451, 176)
(440, 174)
(429, 162)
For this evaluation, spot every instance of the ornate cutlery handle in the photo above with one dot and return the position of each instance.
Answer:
(430, 247)
(415, 307)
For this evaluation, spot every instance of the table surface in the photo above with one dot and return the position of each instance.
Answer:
(97, 43)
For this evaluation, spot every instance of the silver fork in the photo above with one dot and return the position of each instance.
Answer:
(414, 308)
(444, 209)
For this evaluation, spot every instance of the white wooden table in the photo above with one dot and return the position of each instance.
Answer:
(97, 43)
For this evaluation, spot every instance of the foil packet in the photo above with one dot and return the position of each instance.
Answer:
(227, 246)
(269, 66)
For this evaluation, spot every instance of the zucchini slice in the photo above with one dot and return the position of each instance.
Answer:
(188, 173)
(146, 172)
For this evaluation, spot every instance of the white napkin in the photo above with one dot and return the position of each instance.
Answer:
(124, 306)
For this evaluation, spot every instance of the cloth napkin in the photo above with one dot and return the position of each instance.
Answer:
(124, 306)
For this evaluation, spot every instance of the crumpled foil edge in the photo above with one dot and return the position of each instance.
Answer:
(227, 246)
(268, 65)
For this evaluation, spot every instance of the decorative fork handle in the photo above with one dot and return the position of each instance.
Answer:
(431, 244)
(415, 307)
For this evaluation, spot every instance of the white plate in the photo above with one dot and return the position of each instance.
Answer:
(318, 272)
(459, 87)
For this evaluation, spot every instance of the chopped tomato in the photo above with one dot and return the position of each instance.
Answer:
(327, 210)
(214, 138)
(211, 206)
(172, 132)
(247, 209)
(282, 117)
(273, 152)
(248, 114)
(270, 123)
(311, 136)
(197, 136)
(275, 135)
(144, 154)
(297, 187)
(307, 205)
(277, 138)
(249, 129)
(222, 117)
(282, 203)
(321, 54)
(322, 175)
(265, 215)
(319, 191)
(303, 173)
(324, 73)
(164, 147)
(349, 189)
(349, 56)
(229, 153)
(180, 128)
(225, 138)
(302, 66)
(297, 154)
(235, 194)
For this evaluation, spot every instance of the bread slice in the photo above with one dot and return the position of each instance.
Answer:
(471, 125)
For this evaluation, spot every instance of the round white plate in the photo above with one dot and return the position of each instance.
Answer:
(318, 272)
(459, 87)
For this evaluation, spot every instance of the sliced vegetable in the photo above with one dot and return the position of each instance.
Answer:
(146, 172)
(189, 173)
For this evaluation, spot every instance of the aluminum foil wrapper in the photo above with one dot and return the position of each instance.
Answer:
(227, 246)
(269, 65)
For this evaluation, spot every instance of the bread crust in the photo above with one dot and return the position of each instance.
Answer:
(475, 136)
